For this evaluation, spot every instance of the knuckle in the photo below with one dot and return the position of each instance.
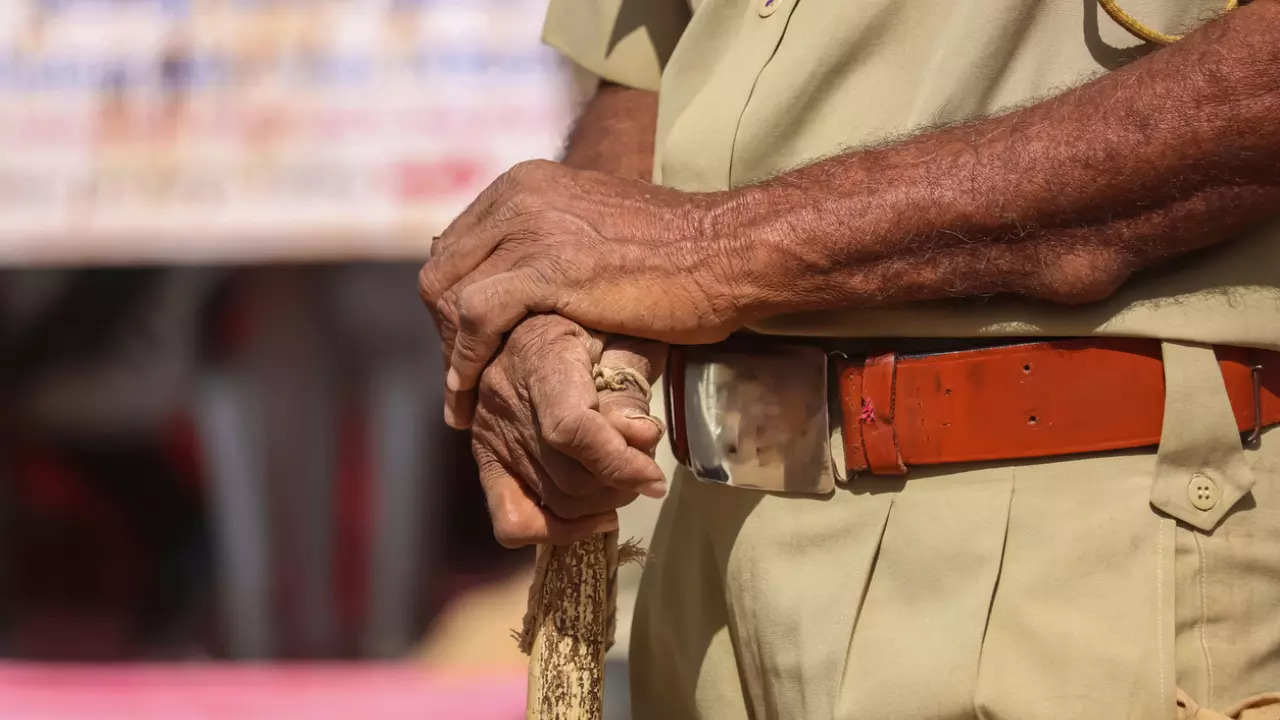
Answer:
(507, 539)
(530, 167)
(428, 286)
(470, 308)
(490, 387)
(446, 306)
(511, 530)
(517, 174)
(548, 269)
(524, 204)
(623, 403)
(564, 430)
(613, 468)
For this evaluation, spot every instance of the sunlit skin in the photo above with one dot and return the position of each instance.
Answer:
(556, 458)
(1061, 201)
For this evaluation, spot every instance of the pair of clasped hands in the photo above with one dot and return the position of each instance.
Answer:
(549, 274)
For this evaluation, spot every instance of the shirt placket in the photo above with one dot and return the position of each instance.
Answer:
(708, 128)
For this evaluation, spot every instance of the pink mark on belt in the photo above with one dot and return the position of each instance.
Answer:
(868, 414)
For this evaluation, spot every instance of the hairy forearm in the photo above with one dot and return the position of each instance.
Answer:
(615, 133)
(1062, 200)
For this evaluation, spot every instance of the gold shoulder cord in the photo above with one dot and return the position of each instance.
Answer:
(1142, 32)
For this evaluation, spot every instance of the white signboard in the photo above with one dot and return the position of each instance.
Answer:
(244, 130)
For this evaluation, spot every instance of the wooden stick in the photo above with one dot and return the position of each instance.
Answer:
(571, 613)
(569, 624)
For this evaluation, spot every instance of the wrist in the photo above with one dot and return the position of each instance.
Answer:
(716, 228)
(771, 250)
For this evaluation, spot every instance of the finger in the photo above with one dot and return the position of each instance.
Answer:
(477, 211)
(601, 502)
(566, 474)
(443, 317)
(566, 408)
(556, 482)
(641, 430)
(459, 406)
(646, 357)
(627, 410)
(564, 481)
(628, 407)
(514, 441)
(460, 409)
(487, 310)
(518, 520)
(478, 230)
(584, 435)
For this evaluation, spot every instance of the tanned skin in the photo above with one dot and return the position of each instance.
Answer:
(1060, 201)
(615, 133)
(556, 457)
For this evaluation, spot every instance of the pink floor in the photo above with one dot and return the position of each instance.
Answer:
(254, 692)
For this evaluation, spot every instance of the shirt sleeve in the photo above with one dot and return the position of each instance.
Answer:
(622, 41)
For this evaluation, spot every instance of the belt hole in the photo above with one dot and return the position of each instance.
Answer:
(947, 392)
(1026, 368)
(1032, 420)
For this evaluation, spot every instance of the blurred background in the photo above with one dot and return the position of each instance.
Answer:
(225, 487)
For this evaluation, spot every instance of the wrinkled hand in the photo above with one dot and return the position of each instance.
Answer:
(610, 253)
(556, 456)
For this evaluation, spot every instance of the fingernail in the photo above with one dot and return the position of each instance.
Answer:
(450, 419)
(662, 427)
(657, 489)
(633, 414)
(453, 381)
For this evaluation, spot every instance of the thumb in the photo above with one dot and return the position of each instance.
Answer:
(641, 430)
(623, 377)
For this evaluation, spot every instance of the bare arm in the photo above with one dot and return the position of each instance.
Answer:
(615, 133)
(556, 455)
(1061, 201)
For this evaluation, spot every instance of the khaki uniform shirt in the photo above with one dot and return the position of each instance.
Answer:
(750, 88)
(1048, 589)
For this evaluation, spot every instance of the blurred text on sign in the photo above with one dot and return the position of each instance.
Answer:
(244, 130)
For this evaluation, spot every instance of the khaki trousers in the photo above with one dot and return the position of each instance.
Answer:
(1039, 590)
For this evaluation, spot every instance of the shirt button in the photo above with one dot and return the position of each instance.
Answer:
(1203, 492)
(767, 7)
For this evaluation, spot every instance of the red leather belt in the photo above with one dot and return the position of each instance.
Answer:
(1022, 401)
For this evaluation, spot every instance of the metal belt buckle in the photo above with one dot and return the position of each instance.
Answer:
(758, 420)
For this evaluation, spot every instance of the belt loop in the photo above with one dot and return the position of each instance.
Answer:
(1201, 469)
(875, 417)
